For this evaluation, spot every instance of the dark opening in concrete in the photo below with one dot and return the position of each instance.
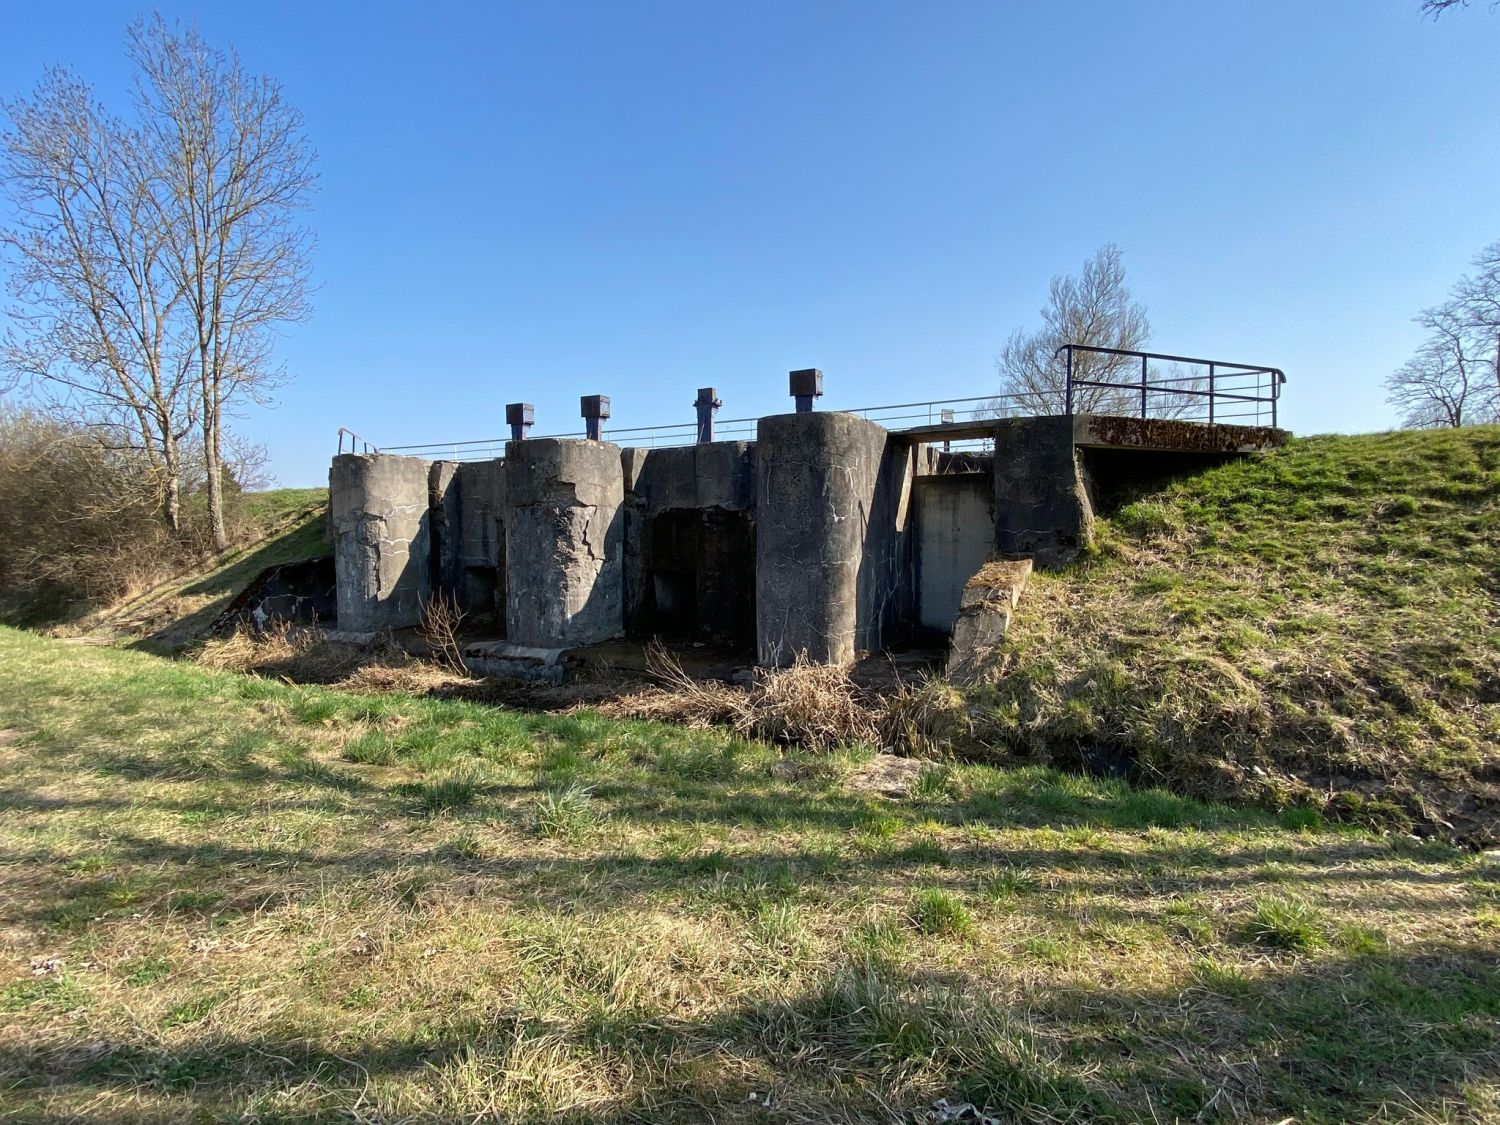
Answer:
(1116, 477)
(700, 577)
(500, 588)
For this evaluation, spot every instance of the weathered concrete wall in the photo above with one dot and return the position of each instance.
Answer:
(1041, 505)
(712, 552)
(304, 592)
(955, 518)
(480, 538)
(381, 541)
(564, 532)
(832, 544)
(718, 474)
(444, 514)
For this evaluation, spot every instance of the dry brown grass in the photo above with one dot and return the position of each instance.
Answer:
(814, 706)
(306, 656)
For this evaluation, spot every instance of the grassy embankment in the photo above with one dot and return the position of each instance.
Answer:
(227, 897)
(279, 526)
(1317, 625)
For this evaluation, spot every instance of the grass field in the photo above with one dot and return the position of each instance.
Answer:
(227, 897)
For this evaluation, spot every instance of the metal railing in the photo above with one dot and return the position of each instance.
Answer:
(357, 444)
(1212, 391)
(896, 415)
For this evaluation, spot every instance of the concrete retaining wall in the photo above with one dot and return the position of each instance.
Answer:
(690, 542)
(803, 542)
(1041, 505)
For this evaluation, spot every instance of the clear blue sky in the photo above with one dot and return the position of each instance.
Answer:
(541, 200)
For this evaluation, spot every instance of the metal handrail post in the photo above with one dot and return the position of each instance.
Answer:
(1210, 394)
(1144, 376)
(1069, 385)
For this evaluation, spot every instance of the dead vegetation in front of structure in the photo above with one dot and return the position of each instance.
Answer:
(812, 706)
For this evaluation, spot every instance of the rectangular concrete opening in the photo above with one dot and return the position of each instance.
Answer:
(955, 535)
(700, 577)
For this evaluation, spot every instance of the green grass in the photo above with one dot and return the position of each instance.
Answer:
(1316, 629)
(213, 907)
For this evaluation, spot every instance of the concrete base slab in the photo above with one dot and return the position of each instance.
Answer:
(351, 637)
(516, 662)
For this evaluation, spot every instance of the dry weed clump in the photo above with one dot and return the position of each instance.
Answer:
(810, 705)
(442, 618)
(927, 718)
(306, 656)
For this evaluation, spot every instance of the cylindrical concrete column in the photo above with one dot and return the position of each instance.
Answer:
(564, 531)
(827, 535)
(382, 545)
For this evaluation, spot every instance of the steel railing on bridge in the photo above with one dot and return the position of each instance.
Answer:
(1159, 385)
(1096, 381)
(892, 416)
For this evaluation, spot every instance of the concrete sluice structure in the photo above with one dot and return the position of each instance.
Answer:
(828, 535)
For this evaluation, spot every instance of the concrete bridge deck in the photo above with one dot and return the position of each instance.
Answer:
(1102, 431)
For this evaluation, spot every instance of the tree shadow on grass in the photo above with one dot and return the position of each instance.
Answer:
(1331, 1039)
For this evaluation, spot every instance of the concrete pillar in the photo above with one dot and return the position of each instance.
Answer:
(832, 553)
(381, 539)
(445, 528)
(1042, 508)
(563, 542)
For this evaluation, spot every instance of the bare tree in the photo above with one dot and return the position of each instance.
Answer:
(1435, 8)
(95, 297)
(1454, 379)
(1449, 381)
(1094, 308)
(237, 169)
(1477, 297)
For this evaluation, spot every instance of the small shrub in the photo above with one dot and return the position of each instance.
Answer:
(450, 791)
(1287, 923)
(373, 749)
(936, 911)
(567, 812)
(1010, 883)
